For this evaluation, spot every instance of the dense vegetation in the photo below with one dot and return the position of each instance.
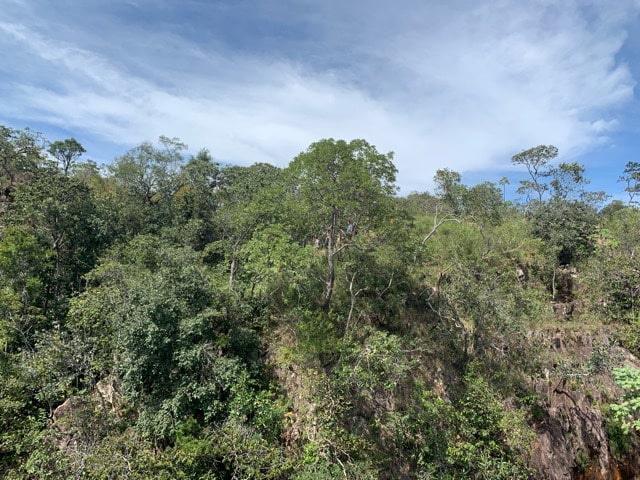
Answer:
(169, 317)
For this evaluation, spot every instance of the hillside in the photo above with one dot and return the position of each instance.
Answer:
(168, 317)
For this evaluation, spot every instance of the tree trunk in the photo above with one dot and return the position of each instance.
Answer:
(234, 266)
(331, 273)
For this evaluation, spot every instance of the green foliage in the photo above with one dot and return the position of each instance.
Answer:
(60, 213)
(142, 189)
(66, 152)
(473, 438)
(343, 178)
(167, 317)
(320, 469)
(377, 365)
(567, 178)
(449, 189)
(567, 227)
(536, 160)
(155, 304)
(21, 419)
(317, 335)
(631, 177)
(341, 188)
(276, 267)
(149, 173)
(230, 451)
(333, 446)
(482, 290)
(484, 203)
(24, 263)
(626, 412)
(20, 156)
(613, 272)
(250, 199)
(483, 450)
(197, 200)
(419, 203)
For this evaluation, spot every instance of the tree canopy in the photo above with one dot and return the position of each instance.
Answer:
(170, 316)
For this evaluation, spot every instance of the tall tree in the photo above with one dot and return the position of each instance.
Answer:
(66, 152)
(249, 197)
(342, 187)
(631, 176)
(144, 183)
(196, 200)
(567, 180)
(449, 189)
(200, 180)
(61, 213)
(20, 155)
(567, 227)
(484, 203)
(150, 172)
(536, 160)
(503, 182)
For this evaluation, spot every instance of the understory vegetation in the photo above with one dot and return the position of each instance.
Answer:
(169, 317)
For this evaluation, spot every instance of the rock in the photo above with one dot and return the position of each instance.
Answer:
(572, 438)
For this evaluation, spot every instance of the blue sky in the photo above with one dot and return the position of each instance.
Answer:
(463, 84)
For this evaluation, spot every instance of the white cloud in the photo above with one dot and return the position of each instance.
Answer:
(461, 85)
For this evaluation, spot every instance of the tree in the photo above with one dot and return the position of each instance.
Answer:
(20, 155)
(250, 197)
(484, 203)
(153, 318)
(536, 160)
(61, 214)
(503, 182)
(144, 182)
(568, 179)
(148, 172)
(631, 176)
(419, 203)
(200, 180)
(567, 227)
(568, 183)
(196, 201)
(611, 209)
(273, 265)
(66, 152)
(613, 271)
(340, 184)
(24, 266)
(449, 188)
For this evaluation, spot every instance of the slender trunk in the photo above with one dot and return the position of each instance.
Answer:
(57, 279)
(353, 295)
(234, 266)
(331, 273)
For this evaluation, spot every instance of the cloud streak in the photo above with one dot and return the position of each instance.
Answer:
(463, 85)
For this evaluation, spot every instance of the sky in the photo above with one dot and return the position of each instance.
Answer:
(461, 84)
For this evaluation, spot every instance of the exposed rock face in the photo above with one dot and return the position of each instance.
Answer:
(107, 393)
(69, 406)
(71, 419)
(571, 430)
(573, 437)
(573, 441)
(64, 420)
(301, 423)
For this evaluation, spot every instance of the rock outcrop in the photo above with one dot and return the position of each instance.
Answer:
(573, 440)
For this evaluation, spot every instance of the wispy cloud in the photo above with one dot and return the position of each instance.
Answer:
(464, 85)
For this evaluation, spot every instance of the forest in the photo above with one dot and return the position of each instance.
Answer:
(169, 317)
